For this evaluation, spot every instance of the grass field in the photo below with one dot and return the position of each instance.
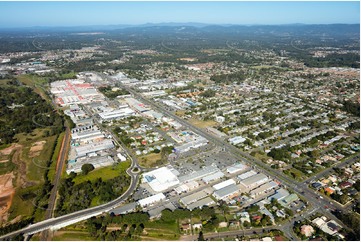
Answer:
(54, 159)
(202, 124)
(30, 173)
(72, 236)
(105, 173)
(149, 160)
(37, 83)
(162, 231)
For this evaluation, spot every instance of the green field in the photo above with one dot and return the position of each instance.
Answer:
(105, 173)
(54, 158)
(72, 236)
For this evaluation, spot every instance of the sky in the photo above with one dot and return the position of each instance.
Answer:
(28, 14)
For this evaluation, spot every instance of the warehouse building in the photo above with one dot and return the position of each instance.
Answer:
(213, 177)
(157, 212)
(226, 192)
(255, 181)
(236, 168)
(127, 208)
(116, 114)
(246, 175)
(94, 147)
(200, 141)
(279, 195)
(199, 174)
(207, 201)
(151, 200)
(96, 161)
(264, 188)
(87, 135)
(236, 140)
(224, 184)
(193, 197)
(136, 105)
(285, 202)
(186, 187)
(161, 179)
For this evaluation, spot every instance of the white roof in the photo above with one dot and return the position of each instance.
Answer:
(224, 184)
(236, 168)
(213, 176)
(160, 179)
(152, 199)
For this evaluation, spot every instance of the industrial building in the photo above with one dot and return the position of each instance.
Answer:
(74, 91)
(186, 187)
(93, 147)
(136, 105)
(226, 192)
(193, 197)
(127, 208)
(199, 174)
(255, 181)
(236, 140)
(191, 145)
(279, 195)
(207, 201)
(151, 200)
(264, 188)
(246, 175)
(285, 202)
(224, 184)
(96, 161)
(87, 135)
(161, 179)
(236, 168)
(213, 177)
(116, 114)
(157, 212)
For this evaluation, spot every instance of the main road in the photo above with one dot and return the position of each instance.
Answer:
(299, 187)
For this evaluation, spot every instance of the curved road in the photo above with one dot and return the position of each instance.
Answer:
(46, 224)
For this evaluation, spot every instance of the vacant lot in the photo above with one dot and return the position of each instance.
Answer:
(105, 173)
(202, 124)
(150, 160)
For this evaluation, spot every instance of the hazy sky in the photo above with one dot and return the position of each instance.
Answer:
(25, 14)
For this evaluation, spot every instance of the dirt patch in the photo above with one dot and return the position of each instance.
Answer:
(3, 161)
(6, 195)
(202, 124)
(36, 148)
(8, 150)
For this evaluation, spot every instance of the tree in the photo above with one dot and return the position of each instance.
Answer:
(200, 236)
(86, 168)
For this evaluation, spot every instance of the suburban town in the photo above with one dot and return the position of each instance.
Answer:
(135, 136)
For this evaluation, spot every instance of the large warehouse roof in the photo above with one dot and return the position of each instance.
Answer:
(160, 179)
(152, 199)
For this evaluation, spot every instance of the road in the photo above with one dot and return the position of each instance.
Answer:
(59, 168)
(298, 187)
(46, 224)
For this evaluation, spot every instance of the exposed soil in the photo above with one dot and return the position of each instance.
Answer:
(6, 194)
(36, 148)
(8, 150)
